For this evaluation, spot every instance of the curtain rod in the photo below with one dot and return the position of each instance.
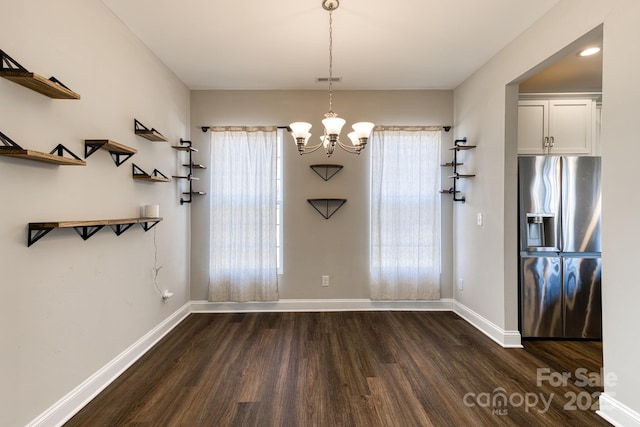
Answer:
(269, 128)
(413, 128)
(238, 128)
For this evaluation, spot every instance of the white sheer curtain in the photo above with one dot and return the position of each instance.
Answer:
(405, 215)
(243, 215)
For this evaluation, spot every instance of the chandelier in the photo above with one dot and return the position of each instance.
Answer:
(331, 122)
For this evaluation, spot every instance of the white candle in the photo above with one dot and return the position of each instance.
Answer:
(151, 211)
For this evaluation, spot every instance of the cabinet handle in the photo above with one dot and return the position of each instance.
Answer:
(545, 142)
(552, 141)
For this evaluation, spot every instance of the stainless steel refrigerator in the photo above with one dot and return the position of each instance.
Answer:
(560, 247)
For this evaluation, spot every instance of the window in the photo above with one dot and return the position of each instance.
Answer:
(405, 215)
(243, 240)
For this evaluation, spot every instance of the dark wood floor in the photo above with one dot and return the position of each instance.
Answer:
(348, 369)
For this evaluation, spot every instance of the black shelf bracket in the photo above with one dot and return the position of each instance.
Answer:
(327, 207)
(36, 233)
(118, 157)
(145, 225)
(326, 171)
(8, 142)
(10, 64)
(60, 150)
(121, 228)
(86, 231)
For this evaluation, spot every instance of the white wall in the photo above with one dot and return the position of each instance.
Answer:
(337, 247)
(486, 257)
(70, 306)
(621, 234)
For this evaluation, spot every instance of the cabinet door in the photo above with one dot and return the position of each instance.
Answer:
(533, 118)
(570, 126)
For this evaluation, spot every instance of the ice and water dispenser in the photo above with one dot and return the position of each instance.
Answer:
(540, 231)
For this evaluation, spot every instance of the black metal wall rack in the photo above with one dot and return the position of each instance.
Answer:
(187, 146)
(459, 145)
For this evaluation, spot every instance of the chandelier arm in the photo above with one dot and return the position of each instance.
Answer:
(310, 149)
(349, 148)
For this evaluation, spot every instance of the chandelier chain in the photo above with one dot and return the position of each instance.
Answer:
(330, 60)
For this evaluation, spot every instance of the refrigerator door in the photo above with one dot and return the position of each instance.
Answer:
(541, 296)
(581, 204)
(582, 297)
(539, 201)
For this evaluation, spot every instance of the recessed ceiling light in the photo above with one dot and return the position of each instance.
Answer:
(589, 51)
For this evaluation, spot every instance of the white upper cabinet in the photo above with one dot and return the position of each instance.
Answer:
(556, 126)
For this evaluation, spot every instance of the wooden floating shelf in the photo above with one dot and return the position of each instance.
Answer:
(195, 193)
(41, 157)
(448, 191)
(145, 132)
(184, 148)
(194, 166)
(86, 229)
(52, 87)
(151, 178)
(450, 164)
(463, 147)
(39, 84)
(10, 148)
(460, 175)
(189, 177)
(119, 153)
(151, 135)
(155, 176)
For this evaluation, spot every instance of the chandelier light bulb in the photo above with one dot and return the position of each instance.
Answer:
(333, 125)
(363, 129)
(300, 129)
(354, 138)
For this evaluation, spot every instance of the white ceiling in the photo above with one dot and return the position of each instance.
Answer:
(259, 44)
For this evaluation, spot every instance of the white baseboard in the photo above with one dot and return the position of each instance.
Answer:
(75, 400)
(507, 339)
(617, 413)
(311, 305)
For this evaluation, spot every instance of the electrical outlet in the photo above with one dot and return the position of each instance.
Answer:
(325, 281)
(460, 284)
(479, 218)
